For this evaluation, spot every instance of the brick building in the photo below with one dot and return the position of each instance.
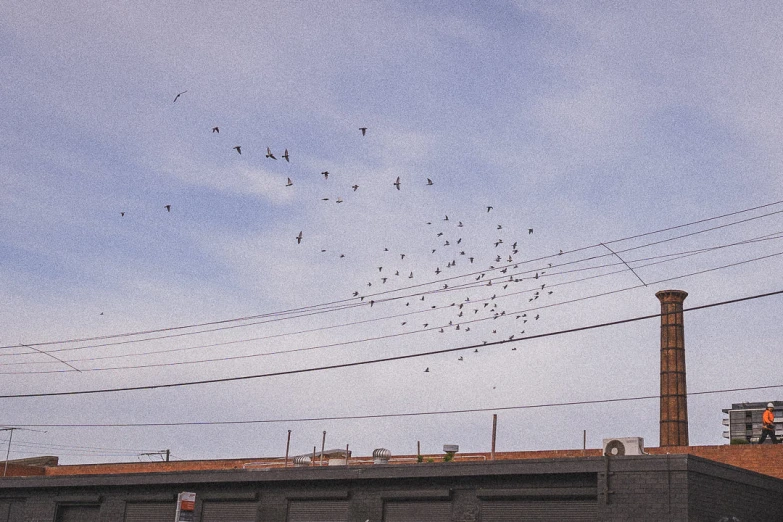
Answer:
(694, 483)
(744, 421)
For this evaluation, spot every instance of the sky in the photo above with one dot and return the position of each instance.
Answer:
(557, 165)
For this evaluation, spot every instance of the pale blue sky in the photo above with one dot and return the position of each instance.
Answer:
(586, 121)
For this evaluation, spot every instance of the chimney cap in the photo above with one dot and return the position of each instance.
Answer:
(678, 295)
(450, 448)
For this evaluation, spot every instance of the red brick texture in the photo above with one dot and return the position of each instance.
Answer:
(766, 459)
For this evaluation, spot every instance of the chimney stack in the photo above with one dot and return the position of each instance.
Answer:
(674, 397)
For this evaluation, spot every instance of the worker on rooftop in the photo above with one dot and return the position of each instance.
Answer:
(768, 425)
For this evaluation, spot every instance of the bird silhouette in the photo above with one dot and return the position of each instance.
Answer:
(299, 238)
(122, 214)
(269, 154)
(325, 174)
(216, 129)
(289, 183)
(354, 187)
(489, 208)
(178, 95)
(238, 149)
(285, 155)
(397, 183)
(364, 130)
(529, 230)
(168, 208)
(427, 369)
(429, 181)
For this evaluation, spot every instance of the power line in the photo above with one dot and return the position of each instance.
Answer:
(311, 307)
(666, 258)
(395, 415)
(386, 336)
(371, 361)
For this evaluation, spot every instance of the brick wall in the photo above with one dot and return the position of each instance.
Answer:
(766, 459)
(15, 470)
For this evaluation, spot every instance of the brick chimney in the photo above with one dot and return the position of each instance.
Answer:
(674, 398)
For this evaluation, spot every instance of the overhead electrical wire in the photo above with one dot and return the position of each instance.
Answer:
(362, 340)
(395, 415)
(775, 235)
(252, 317)
(370, 361)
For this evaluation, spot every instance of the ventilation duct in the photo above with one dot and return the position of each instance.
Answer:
(381, 456)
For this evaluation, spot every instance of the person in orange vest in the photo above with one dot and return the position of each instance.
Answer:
(768, 425)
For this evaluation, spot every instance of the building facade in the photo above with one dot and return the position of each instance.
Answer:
(744, 421)
(644, 487)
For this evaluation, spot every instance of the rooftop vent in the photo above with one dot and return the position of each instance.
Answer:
(381, 456)
(450, 448)
(302, 460)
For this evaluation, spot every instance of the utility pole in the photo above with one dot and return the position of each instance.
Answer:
(323, 446)
(494, 433)
(11, 436)
(8, 453)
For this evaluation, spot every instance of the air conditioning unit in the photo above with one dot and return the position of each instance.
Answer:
(624, 446)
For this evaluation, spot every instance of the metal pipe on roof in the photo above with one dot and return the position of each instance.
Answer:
(323, 446)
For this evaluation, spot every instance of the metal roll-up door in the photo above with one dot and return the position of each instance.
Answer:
(229, 511)
(150, 511)
(539, 510)
(16, 512)
(317, 511)
(417, 511)
(77, 513)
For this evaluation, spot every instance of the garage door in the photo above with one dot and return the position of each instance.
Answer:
(229, 511)
(317, 511)
(539, 510)
(82, 513)
(150, 511)
(417, 511)
(11, 510)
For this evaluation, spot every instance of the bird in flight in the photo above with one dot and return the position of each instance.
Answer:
(289, 183)
(167, 207)
(326, 174)
(429, 181)
(339, 200)
(364, 130)
(299, 238)
(238, 149)
(122, 214)
(285, 155)
(529, 230)
(216, 129)
(178, 95)
(397, 183)
(269, 154)
(489, 208)
(427, 369)
(354, 187)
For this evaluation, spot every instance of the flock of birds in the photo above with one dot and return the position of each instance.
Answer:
(492, 274)
(495, 274)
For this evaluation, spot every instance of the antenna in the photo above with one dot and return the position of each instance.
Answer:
(11, 436)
